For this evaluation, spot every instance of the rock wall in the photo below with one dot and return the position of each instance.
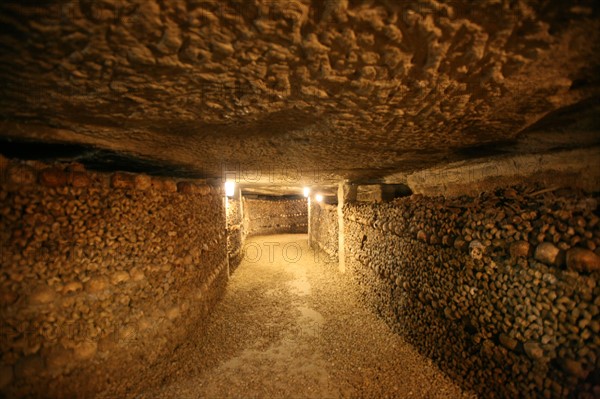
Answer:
(323, 232)
(94, 268)
(235, 233)
(275, 216)
(244, 74)
(501, 290)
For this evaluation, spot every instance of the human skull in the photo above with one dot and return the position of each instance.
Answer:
(476, 250)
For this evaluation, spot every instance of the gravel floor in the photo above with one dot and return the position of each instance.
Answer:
(290, 326)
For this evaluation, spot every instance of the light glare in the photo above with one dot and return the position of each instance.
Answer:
(306, 191)
(229, 188)
(319, 198)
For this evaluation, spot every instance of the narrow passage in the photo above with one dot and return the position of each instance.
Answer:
(290, 326)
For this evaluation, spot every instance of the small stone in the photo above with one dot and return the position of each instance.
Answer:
(582, 260)
(42, 295)
(20, 174)
(185, 187)
(508, 342)
(53, 177)
(549, 254)
(533, 350)
(422, 236)
(67, 302)
(85, 350)
(76, 167)
(122, 180)
(549, 278)
(143, 182)
(136, 274)
(574, 368)
(71, 287)
(460, 244)
(95, 285)
(520, 249)
(448, 313)
(546, 339)
(476, 250)
(170, 186)
(157, 184)
(79, 179)
(173, 313)
(562, 214)
(204, 189)
(119, 277)
(124, 300)
(222, 48)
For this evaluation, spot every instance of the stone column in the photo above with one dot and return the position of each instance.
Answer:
(346, 194)
(308, 229)
(237, 196)
(226, 208)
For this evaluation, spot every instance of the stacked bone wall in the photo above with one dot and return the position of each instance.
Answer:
(323, 232)
(96, 266)
(235, 233)
(501, 290)
(277, 216)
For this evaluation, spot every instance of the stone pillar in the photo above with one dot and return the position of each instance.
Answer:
(226, 207)
(346, 194)
(241, 199)
(237, 196)
(308, 228)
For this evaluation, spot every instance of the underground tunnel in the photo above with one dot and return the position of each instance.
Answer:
(299, 199)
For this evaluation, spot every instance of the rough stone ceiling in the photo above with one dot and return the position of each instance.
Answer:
(353, 89)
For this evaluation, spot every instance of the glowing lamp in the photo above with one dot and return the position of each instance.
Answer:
(229, 188)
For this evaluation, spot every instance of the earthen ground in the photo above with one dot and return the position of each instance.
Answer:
(291, 326)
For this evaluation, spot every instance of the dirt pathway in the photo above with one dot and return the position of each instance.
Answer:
(289, 326)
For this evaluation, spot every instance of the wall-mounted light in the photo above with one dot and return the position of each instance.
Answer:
(319, 198)
(229, 188)
(306, 191)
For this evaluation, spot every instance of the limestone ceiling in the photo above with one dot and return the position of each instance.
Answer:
(344, 89)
